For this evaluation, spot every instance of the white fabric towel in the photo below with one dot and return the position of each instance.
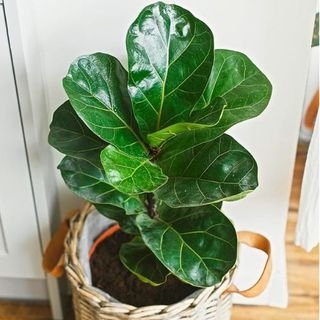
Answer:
(307, 232)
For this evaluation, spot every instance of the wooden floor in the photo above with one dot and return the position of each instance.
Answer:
(302, 276)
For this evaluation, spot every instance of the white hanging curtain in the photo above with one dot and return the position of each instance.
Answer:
(307, 232)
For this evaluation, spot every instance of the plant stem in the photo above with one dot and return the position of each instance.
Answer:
(153, 152)
(150, 205)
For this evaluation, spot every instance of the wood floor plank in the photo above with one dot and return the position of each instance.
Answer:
(13, 310)
(301, 308)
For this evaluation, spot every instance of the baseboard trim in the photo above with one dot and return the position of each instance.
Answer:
(23, 289)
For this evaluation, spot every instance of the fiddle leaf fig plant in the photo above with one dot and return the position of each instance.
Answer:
(148, 146)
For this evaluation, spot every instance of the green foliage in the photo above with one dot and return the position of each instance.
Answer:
(315, 36)
(197, 245)
(212, 172)
(141, 261)
(148, 147)
(97, 88)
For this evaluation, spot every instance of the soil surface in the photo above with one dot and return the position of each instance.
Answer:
(111, 276)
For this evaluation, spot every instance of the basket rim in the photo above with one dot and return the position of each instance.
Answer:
(93, 295)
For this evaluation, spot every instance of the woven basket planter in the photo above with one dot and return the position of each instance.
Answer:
(91, 303)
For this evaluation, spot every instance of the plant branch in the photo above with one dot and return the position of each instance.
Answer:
(151, 205)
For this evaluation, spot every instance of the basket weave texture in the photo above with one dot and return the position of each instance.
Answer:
(90, 304)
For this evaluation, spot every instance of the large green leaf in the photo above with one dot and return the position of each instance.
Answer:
(198, 119)
(96, 86)
(212, 172)
(126, 222)
(170, 55)
(69, 135)
(88, 181)
(198, 245)
(129, 174)
(244, 87)
(141, 261)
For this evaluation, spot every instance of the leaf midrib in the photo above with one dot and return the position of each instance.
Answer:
(206, 180)
(165, 78)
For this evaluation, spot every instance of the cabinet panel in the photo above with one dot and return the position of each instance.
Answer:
(3, 246)
(20, 252)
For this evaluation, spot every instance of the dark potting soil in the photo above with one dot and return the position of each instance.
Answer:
(111, 276)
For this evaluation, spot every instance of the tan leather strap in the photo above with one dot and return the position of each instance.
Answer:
(53, 257)
(312, 110)
(258, 241)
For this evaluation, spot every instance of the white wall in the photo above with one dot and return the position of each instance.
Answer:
(275, 34)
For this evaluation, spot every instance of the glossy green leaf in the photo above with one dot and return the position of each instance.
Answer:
(69, 135)
(198, 119)
(198, 245)
(170, 55)
(96, 86)
(141, 261)
(216, 171)
(246, 90)
(88, 181)
(126, 222)
(131, 174)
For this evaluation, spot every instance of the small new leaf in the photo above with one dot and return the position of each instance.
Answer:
(199, 119)
(129, 174)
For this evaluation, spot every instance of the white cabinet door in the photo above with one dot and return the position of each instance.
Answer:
(20, 252)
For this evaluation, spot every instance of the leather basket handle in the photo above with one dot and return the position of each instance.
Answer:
(257, 241)
(53, 257)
